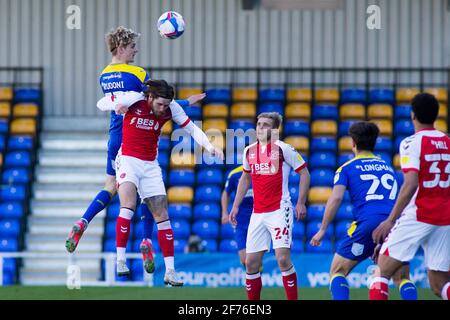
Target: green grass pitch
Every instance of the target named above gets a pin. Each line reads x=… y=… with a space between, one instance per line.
x=186 y=293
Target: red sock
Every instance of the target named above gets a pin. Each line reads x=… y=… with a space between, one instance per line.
x=290 y=284
x=379 y=290
x=165 y=238
x=253 y=286
x=122 y=232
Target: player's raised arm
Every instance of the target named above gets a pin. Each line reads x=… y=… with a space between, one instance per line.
x=119 y=102
x=243 y=186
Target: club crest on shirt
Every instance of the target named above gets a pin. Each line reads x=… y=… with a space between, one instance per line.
x=357 y=249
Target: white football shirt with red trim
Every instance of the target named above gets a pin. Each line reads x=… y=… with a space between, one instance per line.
x=269 y=167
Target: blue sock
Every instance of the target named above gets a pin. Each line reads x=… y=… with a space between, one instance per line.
x=147 y=219
x=408 y=290
x=99 y=203
x=339 y=287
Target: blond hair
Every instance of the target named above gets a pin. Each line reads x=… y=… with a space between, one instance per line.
x=120 y=37
x=275 y=116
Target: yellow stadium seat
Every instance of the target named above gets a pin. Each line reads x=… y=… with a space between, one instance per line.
x=185 y=93
x=180 y=194
x=298 y=111
x=215 y=110
x=167 y=128
x=397 y=161
x=242 y=110
x=299 y=143
x=6 y=93
x=327 y=95
x=319 y=194
x=182 y=160
x=25 y=110
x=5 y=109
x=384 y=125
x=441 y=125
x=299 y=94
x=352 y=111
x=217 y=124
x=380 y=110
x=324 y=127
x=23 y=126
x=245 y=94
x=406 y=94
x=441 y=94
x=345 y=144
x=216 y=138
x=443 y=111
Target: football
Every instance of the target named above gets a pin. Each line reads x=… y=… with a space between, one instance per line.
x=170 y=25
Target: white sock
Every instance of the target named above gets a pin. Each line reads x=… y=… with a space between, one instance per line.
x=169 y=262
x=121 y=254
x=444 y=291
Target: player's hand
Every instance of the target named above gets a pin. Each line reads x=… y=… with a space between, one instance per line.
x=217 y=153
x=233 y=215
x=196 y=98
x=120 y=109
x=381 y=232
x=300 y=211
x=225 y=218
x=317 y=239
x=376 y=252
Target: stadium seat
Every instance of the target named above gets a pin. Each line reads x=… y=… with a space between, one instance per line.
x=323 y=144
x=243 y=110
x=245 y=94
x=2 y=143
x=406 y=94
x=242 y=124
x=319 y=194
x=209 y=161
x=8 y=244
x=180 y=194
x=299 y=94
x=16 y=175
x=296 y=128
x=9 y=228
x=23 y=126
x=322 y=177
x=167 y=128
x=11 y=210
x=397 y=142
x=180 y=211
x=6 y=93
x=209 y=192
x=193 y=112
x=341 y=229
x=443 y=111
x=228 y=245
x=25 y=110
x=27 y=95
x=315 y=212
x=345 y=144
x=294 y=177
x=345 y=211
x=386 y=156
x=207 y=210
x=181 y=229
x=183 y=160
x=113 y=211
x=206 y=229
x=325 y=247
x=329 y=95
x=298 y=143
x=313 y=226
x=9 y=265
x=297 y=246
x=215 y=110
x=400 y=177
x=210 y=176
x=345 y=157
x=404 y=127
x=382 y=95
x=294 y=192
x=325 y=112
x=215 y=125
x=272 y=94
x=181 y=177
x=18 y=159
x=323 y=160
x=209 y=245
x=163 y=159
x=164 y=143
x=271 y=107
x=383 y=144
x=344 y=126
x=298 y=230
x=298 y=110
x=110 y=230
x=184 y=93
x=227 y=231
x=380 y=111
x=441 y=125
x=179 y=245
x=402 y=111
x=5 y=109
x=352 y=111
x=384 y=125
x=441 y=94
x=20 y=143
x=396 y=161
x=353 y=95
x=218 y=95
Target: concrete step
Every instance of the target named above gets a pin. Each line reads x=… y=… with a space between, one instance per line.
x=62 y=209
x=70 y=159
x=65 y=124
x=50 y=277
x=89 y=265
x=86 y=175
x=89 y=243
x=65 y=192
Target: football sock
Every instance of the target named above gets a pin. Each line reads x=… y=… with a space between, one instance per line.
x=253 y=285
x=408 y=290
x=148 y=220
x=445 y=294
x=290 y=283
x=123 y=231
x=101 y=200
x=165 y=240
x=379 y=289
x=339 y=287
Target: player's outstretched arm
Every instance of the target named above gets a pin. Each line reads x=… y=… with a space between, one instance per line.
x=331 y=208
x=407 y=191
x=300 y=208
x=224 y=203
x=118 y=101
x=243 y=186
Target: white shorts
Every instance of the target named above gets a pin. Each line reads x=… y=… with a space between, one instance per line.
x=408 y=234
x=145 y=175
x=267 y=226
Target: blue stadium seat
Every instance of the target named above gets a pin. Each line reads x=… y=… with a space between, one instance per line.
x=344 y=126
x=272 y=94
x=296 y=128
x=241 y=124
x=113 y=210
x=209 y=161
x=210 y=245
x=20 y=143
x=8 y=244
x=27 y=95
x=179 y=245
x=400 y=177
x=110 y=229
x=294 y=177
x=345 y=211
x=298 y=246
x=387 y=157
x=228 y=245
x=181 y=229
x=298 y=231
x=341 y=228
x=217 y=95
x=4 y=126
x=193 y=112
x=344 y=157
x=353 y=95
x=9 y=228
x=402 y=111
x=8 y=279
x=323 y=144
x=136 y=268
x=11 y=210
x=9 y=265
x=206 y=229
x=210 y=176
x=185 y=143
x=227 y=231
x=135 y=246
x=138 y=230
x=313 y=226
x=384 y=144
x=323 y=160
x=315 y=212
x=17 y=175
x=322 y=177
x=325 y=247
x=163 y=159
x=2 y=142
x=209 y=192
x=271 y=107
x=397 y=142
x=207 y=210
x=382 y=95
x=403 y=127
x=181 y=177
x=18 y=159
x=12 y=193
x=110 y=245
x=180 y=211
x=293 y=190
x=164 y=143
x=325 y=111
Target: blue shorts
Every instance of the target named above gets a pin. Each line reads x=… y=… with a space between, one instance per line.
x=359 y=245
x=114 y=144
